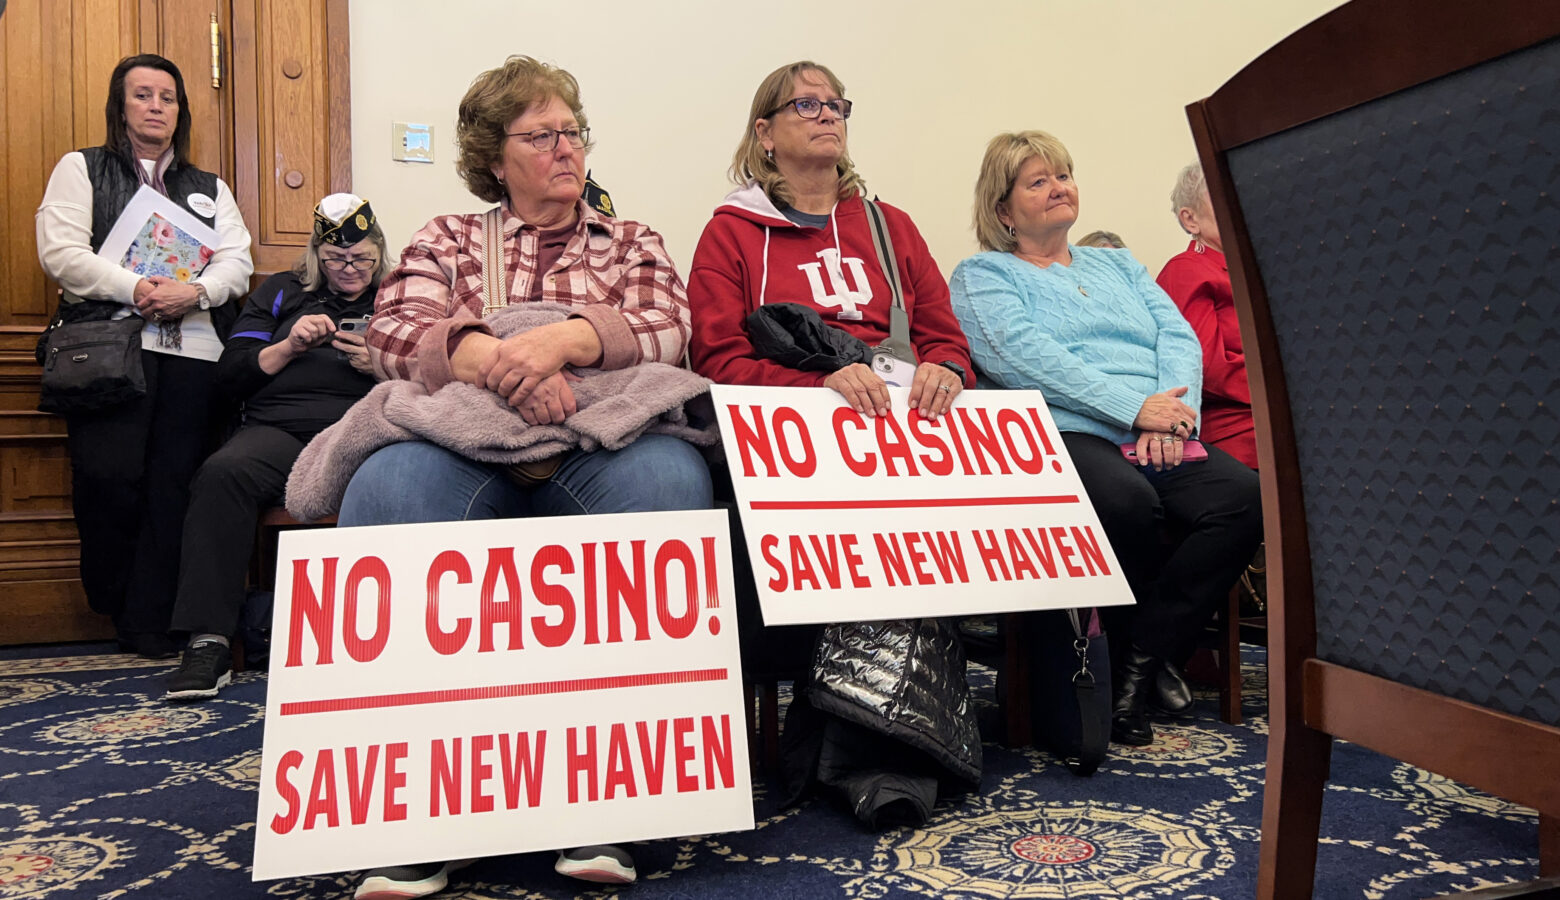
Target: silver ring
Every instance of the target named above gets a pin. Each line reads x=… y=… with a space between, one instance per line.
x=944 y=387
x=1166 y=440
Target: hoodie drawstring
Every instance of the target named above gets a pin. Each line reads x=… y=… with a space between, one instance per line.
x=763 y=286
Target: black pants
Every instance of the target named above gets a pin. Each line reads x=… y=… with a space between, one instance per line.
x=131 y=468
x=248 y=474
x=1211 y=512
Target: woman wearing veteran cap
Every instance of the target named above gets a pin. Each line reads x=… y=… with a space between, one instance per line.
x=296 y=371
x=131 y=463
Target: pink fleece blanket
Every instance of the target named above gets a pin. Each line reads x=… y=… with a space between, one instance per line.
x=615 y=408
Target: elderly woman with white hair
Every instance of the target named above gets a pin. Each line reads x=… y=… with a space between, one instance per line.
x=1198 y=280
x=1121 y=372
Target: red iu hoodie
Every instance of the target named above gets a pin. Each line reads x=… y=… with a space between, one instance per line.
x=751 y=254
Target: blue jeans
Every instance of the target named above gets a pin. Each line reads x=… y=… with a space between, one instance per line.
x=421 y=482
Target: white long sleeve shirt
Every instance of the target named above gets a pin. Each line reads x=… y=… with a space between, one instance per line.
x=64 y=231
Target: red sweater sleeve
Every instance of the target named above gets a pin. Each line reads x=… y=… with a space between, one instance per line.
x=1210 y=311
x=721 y=295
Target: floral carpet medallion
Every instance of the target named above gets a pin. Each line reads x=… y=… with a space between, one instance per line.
x=107 y=791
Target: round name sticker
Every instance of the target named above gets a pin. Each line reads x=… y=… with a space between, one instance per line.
x=202 y=204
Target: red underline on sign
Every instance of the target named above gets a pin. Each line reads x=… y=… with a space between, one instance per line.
x=913 y=504
x=499 y=691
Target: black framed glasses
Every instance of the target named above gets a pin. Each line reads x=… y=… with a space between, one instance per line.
x=360 y=264
x=809 y=108
x=545 y=139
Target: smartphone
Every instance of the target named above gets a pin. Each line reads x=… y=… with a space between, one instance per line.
x=1192 y=451
x=894 y=371
x=350 y=325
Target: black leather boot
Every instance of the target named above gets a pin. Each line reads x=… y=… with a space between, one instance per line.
x=1129 y=716
x=1172 y=695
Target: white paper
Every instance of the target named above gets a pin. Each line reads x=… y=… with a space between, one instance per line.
x=404 y=651
x=850 y=518
x=135 y=215
x=198 y=338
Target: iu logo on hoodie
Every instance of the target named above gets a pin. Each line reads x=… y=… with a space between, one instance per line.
x=843 y=295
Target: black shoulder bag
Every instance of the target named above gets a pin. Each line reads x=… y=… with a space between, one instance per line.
x=90 y=360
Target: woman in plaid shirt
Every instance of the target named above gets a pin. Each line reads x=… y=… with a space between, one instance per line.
x=523 y=138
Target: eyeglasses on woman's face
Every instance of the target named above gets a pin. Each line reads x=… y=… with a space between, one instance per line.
x=342 y=263
x=545 y=139
x=812 y=108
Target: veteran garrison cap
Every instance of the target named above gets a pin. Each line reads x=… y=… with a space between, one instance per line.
x=343 y=219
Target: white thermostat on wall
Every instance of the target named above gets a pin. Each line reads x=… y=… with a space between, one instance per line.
x=410 y=142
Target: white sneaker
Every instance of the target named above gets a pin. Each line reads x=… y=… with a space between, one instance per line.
x=601 y=863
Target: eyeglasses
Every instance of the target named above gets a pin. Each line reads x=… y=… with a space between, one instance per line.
x=808 y=108
x=545 y=139
x=360 y=263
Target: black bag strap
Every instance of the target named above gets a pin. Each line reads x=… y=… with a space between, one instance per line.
x=898 y=342
x=1094 y=730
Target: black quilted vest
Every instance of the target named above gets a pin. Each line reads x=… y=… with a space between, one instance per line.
x=114 y=183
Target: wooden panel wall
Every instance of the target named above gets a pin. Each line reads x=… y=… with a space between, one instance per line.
x=57 y=56
x=283 y=105
x=293 y=123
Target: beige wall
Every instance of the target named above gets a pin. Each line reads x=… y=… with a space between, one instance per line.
x=667 y=86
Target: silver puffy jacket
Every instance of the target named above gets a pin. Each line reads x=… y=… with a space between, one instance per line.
x=904 y=678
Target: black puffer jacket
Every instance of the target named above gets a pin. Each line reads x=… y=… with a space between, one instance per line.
x=904 y=678
x=886 y=720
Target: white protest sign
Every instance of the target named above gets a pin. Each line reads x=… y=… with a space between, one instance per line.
x=468 y=689
x=849 y=518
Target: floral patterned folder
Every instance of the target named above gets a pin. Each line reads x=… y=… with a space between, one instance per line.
x=163 y=248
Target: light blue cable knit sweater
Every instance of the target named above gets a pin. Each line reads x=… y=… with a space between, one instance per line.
x=1096 y=357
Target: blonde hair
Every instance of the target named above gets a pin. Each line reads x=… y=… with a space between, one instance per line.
x=1005 y=155
x=1108 y=239
x=311 y=273
x=750 y=163
x=496 y=98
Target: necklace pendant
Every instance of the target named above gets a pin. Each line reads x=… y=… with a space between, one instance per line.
x=1082 y=291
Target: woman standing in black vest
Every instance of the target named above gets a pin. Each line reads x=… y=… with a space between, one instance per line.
x=132 y=464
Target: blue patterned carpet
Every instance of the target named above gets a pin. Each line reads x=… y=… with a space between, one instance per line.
x=105 y=791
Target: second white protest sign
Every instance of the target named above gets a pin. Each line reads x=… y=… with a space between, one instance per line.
x=852 y=518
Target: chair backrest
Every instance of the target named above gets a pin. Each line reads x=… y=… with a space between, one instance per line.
x=1387 y=182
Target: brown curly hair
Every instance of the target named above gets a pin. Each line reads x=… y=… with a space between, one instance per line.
x=496 y=98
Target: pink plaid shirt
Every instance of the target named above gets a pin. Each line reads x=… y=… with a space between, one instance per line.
x=616 y=273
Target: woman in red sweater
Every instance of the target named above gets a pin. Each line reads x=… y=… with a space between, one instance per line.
x=1198 y=280
x=796 y=231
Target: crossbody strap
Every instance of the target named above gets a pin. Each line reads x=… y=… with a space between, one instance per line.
x=1094 y=730
x=494 y=296
x=898 y=342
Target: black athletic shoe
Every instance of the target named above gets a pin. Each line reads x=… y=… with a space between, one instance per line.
x=401 y=882
x=206 y=668
x=405 y=882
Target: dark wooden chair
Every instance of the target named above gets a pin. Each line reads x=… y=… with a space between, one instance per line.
x=1385 y=181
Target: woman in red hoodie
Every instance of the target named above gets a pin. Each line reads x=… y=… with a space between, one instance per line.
x=796 y=231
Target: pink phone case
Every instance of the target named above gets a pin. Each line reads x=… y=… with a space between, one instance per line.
x=1194 y=451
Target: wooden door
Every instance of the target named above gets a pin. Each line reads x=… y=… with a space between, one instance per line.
x=278 y=113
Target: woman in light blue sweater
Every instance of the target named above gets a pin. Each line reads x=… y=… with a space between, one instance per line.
x=1122 y=373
